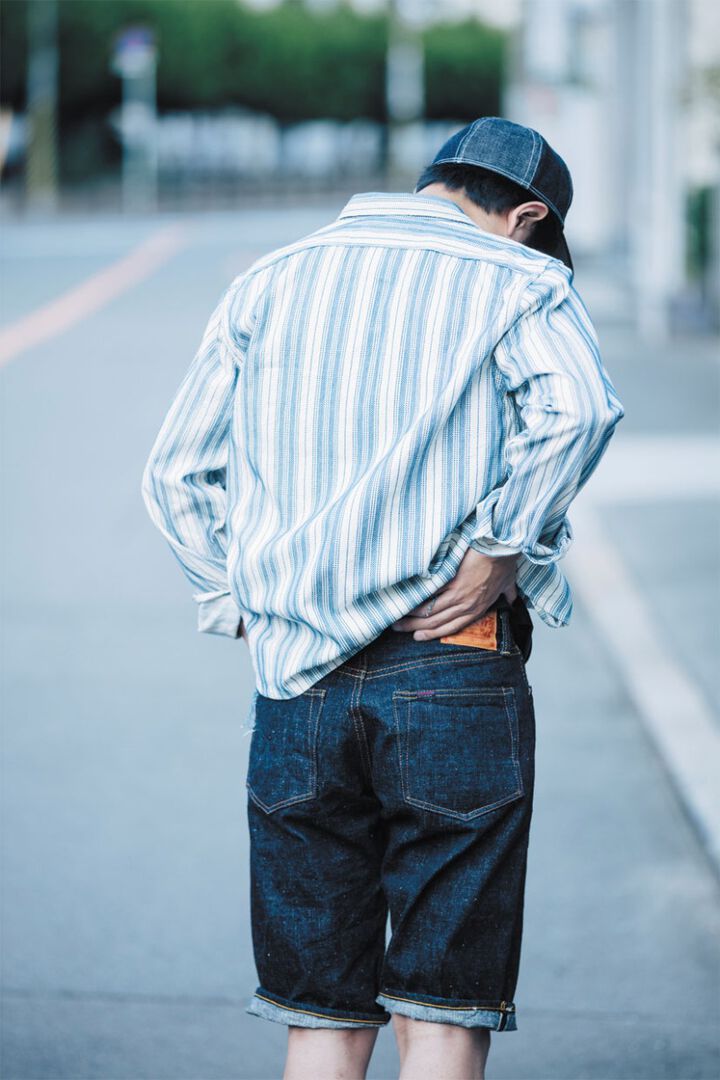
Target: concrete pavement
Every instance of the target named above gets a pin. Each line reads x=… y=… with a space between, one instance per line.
x=125 y=886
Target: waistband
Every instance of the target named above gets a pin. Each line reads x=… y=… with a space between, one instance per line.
x=401 y=645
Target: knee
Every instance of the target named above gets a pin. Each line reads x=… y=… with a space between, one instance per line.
x=408 y=1030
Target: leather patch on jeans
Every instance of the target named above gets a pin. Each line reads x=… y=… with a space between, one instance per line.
x=483 y=633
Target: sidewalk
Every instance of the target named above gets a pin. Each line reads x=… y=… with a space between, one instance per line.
x=127 y=952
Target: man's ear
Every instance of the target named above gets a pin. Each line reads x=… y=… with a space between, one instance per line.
x=521 y=218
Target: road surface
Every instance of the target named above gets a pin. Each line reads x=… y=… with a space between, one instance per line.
x=126 y=937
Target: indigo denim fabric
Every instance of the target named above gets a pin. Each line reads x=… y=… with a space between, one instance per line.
x=401 y=783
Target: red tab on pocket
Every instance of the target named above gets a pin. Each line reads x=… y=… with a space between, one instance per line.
x=482 y=633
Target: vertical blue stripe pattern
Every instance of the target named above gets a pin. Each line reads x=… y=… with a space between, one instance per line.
x=365 y=404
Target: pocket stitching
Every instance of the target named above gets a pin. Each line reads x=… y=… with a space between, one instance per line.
x=312 y=733
x=408 y=696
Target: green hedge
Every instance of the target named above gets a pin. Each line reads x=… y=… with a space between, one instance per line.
x=290 y=62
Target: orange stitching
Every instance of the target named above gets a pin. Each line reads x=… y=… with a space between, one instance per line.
x=323 y=1016
x=503 y=1007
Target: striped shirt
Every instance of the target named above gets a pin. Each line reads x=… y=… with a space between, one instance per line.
x=365 y=404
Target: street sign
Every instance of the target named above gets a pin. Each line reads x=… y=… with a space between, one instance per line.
x=134 y=51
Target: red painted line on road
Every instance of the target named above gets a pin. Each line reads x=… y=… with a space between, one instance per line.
x=76 y=304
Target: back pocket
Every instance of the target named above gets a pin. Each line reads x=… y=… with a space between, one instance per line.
x=282 y=765
x=458 y=749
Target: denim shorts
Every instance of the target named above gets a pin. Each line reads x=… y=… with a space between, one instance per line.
x=401 y=783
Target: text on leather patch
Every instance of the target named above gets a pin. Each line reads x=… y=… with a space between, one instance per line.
x=482 y=633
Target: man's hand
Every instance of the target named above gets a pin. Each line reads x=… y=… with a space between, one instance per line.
x=480 y=580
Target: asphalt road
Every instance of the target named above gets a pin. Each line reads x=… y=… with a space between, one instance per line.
x=126 y=942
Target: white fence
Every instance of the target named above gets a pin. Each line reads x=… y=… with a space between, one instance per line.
x=253 y=146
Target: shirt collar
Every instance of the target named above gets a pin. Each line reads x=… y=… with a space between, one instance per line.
x=405 y=204
x=371 y=203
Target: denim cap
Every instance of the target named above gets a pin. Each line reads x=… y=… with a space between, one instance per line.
x=521 y=154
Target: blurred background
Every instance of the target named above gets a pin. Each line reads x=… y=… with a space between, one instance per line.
x=150 y=150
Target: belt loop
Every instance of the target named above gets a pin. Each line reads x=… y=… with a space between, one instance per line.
x=361 y=660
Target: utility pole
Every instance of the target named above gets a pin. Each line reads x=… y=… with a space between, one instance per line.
x=657 y=196
x=134 y=59
x=41 y=170
x=405 y=81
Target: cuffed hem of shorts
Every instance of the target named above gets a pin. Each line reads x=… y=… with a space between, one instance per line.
x=271 y=1007
x=501 y=1019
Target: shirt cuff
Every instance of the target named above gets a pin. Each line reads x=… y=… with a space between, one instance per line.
x=554 y=548
x=543 y=551
x=218 y=613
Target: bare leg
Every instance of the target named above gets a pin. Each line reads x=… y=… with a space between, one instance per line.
x=328 y=1053
x=430 y=1051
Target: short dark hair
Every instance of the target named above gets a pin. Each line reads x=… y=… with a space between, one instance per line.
x=494 y=193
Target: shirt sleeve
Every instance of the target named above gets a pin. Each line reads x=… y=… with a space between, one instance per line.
x=567 y=409
x=184 y=480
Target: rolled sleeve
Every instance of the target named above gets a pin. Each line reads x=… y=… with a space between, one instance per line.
x=184 y=483
x=218 y=613
x=567 y=410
